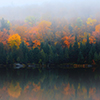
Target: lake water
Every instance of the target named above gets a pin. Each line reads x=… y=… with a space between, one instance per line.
x=50 y=84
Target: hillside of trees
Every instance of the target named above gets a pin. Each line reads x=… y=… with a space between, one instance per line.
x=53 y=41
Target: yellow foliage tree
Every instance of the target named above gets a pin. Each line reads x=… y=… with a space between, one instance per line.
x=14 y=39
x=91 y=22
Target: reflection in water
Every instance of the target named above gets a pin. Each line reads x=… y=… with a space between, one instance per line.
x=49 y=84
x=14 y=91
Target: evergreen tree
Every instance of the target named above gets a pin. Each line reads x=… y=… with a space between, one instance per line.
x=70 y=51
x=57 y=46
x=43 y=56
x=99 y=58
x=2 y=54
x=66 y=56
x=81 y=47
x=80 y=59
x=42 y=46
x=61 y=55
x=90 y=56
x=96 y=58
x=46 y=48
x=26 y=58
x=14 y=53
x=9 y=58
x=51 y=56
x=53 y=49
x=56 y=58
x=97 y=46
x=75 y=47
x=36 y=55
x=87 y=49
x=31 y=56
x=23 y=53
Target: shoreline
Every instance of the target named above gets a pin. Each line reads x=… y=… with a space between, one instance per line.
x=65 y=66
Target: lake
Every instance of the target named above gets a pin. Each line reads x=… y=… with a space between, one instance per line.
x=50 y=84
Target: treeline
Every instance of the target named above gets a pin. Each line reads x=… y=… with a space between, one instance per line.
x=52 y=41
x=52 y=54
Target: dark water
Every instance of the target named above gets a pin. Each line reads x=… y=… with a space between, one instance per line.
x=50 y=84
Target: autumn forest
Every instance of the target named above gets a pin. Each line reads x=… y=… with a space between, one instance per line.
x=53 y=41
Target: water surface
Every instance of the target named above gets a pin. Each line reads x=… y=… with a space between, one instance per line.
x=50 y=84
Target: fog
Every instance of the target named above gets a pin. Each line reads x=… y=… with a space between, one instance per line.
x=20 y=9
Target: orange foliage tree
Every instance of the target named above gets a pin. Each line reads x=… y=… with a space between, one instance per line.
x=68 y=40
x=96 y=33
x=4 y=36
x=97 y=28
x=43 y=30
x=22 y=31
x=37 y=34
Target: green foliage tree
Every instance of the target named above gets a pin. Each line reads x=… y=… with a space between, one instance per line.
x=79 y=22
x=4 y=24
x=31 y=20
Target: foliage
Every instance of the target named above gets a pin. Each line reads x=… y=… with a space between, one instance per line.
x=14 y=40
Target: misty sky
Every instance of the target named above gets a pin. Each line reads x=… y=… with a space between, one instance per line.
x=20 y=9
x=30 y=2
x=21 y=2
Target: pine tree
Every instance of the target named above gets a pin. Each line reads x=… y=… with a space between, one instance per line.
x=70 y=52
x=36 y=55
x=80 y=59
x=87 y=49
x=2 y=54
x=96 y=57
x=9 y=58
x=30 y=56
x=51 y=56
x=23 y=53
x=75 y=47
x=61 y=55
x=90 y=56
x=43 y=56
x=66 y=56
